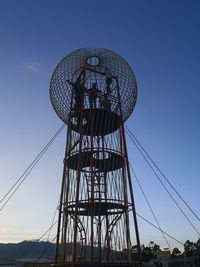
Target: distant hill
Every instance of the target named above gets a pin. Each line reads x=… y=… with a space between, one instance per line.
x=38 y=250
x=26 y=249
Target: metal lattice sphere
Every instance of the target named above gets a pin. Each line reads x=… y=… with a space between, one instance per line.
x=95 y=65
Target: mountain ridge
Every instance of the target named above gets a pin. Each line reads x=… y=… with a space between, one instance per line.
x=9 y=252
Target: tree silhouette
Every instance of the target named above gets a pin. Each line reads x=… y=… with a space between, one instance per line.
x=176 y=253
x=190 y=248
x=198 y=247
x=149 y=252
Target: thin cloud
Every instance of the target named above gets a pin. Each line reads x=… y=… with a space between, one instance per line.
x=33 y=66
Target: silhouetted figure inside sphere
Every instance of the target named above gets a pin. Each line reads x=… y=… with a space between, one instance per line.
x=108 y=75
x=93 y=94
x=105 y=102
x=78 y=89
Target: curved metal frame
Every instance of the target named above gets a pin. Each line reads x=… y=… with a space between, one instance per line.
x=70 y=68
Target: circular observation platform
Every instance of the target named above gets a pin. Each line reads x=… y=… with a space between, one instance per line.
x=113 y=161
x=89 y=68
x=96 y=122
x=97 y=208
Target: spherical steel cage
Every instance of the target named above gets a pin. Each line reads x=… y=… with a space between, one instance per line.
x=98 y=60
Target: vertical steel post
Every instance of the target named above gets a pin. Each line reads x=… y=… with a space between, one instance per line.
x=129 y=181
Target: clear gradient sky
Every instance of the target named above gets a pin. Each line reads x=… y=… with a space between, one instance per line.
x=161 y=41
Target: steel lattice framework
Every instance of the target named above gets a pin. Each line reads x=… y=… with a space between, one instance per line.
x=95 y=61
x=94 y=91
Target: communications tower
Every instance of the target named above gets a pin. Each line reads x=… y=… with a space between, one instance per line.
x=94 y=91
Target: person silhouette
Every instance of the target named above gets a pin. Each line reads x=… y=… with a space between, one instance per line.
x=78 y=89
x=108 y=75
x=93 y=95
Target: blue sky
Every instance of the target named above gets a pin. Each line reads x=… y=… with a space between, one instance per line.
x=160 y=40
